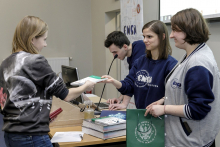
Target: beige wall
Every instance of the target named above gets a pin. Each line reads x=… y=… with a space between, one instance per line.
x=70 y=28
x=100 y=19
x=102 y=25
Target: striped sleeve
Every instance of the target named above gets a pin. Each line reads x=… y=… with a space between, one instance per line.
x=198 y=87
x=187 y=112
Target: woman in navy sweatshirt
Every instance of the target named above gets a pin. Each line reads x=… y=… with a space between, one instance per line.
x=146 y=78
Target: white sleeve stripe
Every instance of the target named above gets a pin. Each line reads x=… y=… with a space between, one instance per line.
x=52 y=84
x=190 y=116
x=187 y=112
x=209 y=144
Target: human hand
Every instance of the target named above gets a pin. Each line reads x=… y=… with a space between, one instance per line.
x=89 y=85
x=149 y=107
x=113 y=101
x=159 y=102
x=157 y=110
x=116 y=106
x=109 y=79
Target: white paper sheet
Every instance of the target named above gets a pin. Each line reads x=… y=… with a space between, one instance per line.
x=91 y=78
x=67 y=137
x=91 y=95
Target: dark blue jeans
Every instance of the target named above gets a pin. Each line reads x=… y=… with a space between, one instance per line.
x=17 y=140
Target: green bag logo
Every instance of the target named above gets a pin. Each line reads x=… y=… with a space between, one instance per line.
x=145 y=132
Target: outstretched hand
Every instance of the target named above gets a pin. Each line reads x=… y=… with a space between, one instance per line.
x=109 y=79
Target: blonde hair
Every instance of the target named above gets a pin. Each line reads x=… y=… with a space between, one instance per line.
x=28 y=28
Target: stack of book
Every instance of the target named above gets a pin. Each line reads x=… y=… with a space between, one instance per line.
x=104 y=127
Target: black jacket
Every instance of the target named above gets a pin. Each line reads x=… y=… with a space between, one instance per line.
x=27 y=84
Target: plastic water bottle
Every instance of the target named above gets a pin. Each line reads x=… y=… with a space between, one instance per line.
x=88 y=112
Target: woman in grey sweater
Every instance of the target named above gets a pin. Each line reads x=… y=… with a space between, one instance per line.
x=192 y=96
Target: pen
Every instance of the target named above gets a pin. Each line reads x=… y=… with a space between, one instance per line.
x=81 y=136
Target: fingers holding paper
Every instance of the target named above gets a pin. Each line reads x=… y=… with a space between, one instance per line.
x=75 y=92
x=89 y=85
x=109 y=79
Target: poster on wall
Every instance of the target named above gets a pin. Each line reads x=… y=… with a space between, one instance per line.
x=131 y=26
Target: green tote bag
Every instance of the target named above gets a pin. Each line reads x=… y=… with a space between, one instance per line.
x=144 y=131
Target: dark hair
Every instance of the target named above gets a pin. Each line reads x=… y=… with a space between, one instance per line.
x=159 y=28
x=117 y=38
x=191 y=22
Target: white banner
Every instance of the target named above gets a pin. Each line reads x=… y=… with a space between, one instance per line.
x=131 y=26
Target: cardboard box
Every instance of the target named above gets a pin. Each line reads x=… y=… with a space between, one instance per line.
x=70 y=116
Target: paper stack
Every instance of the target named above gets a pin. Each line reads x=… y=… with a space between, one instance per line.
x=90 y=78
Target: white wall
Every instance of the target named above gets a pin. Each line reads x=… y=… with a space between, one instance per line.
x=70 y=28
x=151 y=12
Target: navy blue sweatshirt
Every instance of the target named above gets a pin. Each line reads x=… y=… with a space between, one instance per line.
x=146 y=80
x=138 y=49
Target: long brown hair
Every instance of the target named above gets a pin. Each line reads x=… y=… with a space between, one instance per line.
x=28 y=28
x=160 y=29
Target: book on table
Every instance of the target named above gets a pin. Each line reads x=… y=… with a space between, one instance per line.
x=108 y=120
x=104 y=135
x=104 y=127
x=118 y=114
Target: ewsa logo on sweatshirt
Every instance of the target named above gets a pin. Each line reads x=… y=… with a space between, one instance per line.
x=145 y=132
x=142 y=78
x=175 y=84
